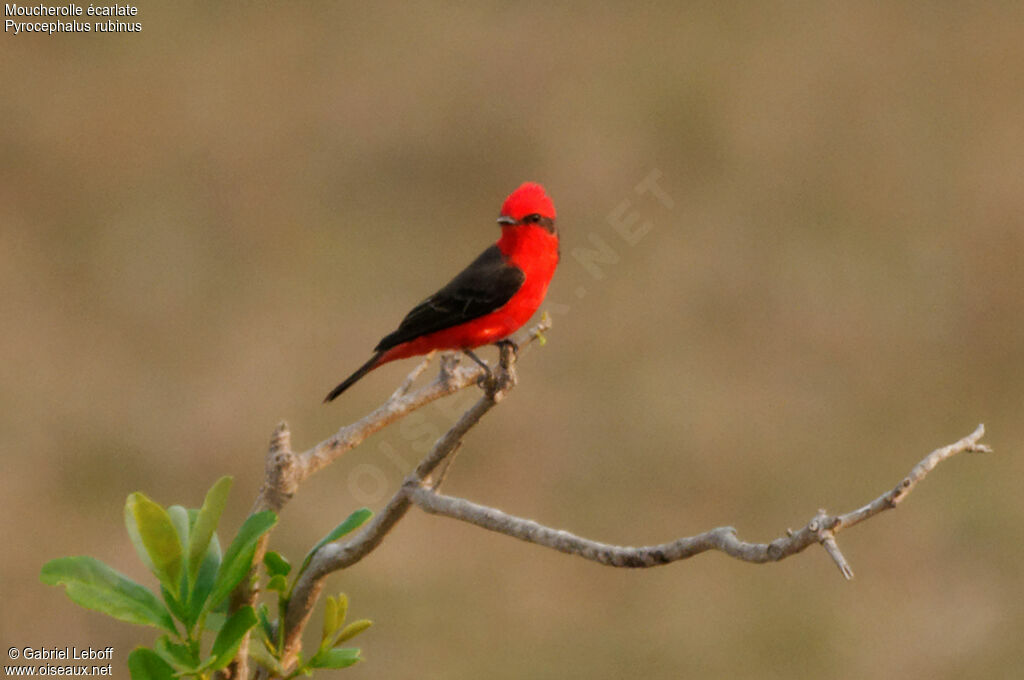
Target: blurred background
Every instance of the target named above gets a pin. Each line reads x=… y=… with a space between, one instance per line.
x=206 y=225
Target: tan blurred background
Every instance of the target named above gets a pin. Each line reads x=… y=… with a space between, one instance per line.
x=206 y=225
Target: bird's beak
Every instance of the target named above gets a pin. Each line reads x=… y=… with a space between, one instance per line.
x=505 y=219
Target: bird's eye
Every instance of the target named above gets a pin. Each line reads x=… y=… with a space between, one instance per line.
x=533 y=217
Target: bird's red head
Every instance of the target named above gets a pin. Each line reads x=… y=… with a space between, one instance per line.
x=528 y=204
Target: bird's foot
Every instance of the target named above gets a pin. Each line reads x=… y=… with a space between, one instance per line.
x=510 y=343
x=508 y=354
x=488 y=376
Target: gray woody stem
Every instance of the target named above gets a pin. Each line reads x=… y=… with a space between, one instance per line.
x=335 y=556
x=286 y=470
x=821 y=529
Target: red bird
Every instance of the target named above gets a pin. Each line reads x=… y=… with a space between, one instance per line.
x=491 y=298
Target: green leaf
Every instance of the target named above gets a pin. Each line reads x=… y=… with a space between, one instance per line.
x=214 y=621
x=180 y=520
x=278 y=584
x=206 y=523
x=133 y=533
x=351 y=523
x=339 y=657
x=204 y=582
x=93 y=585
x=276 y=564
x=342 y=610
x=173 y=604
x=238 y=558
x=266 y=628
x=178 y=656
x=145 y=664
x=331 y=621
x=230 y=636
x=263 y=658
x=353 y=629
x=159 y=538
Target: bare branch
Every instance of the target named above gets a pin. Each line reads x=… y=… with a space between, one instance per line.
x=335 y=556
x=821 y=529
x=286 y=470
x=895 y=496
x=406 y=385
x=828 y=541
x=280 y=483
x=279 y=487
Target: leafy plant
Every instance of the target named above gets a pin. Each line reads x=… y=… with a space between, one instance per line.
x=329 y=654
x=181 y=548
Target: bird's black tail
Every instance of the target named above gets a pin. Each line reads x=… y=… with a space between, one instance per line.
x=351 y=380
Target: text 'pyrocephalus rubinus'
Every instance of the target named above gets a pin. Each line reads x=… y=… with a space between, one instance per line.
x=491 y=298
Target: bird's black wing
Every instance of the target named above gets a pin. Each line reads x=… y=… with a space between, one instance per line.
x=485 y=285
